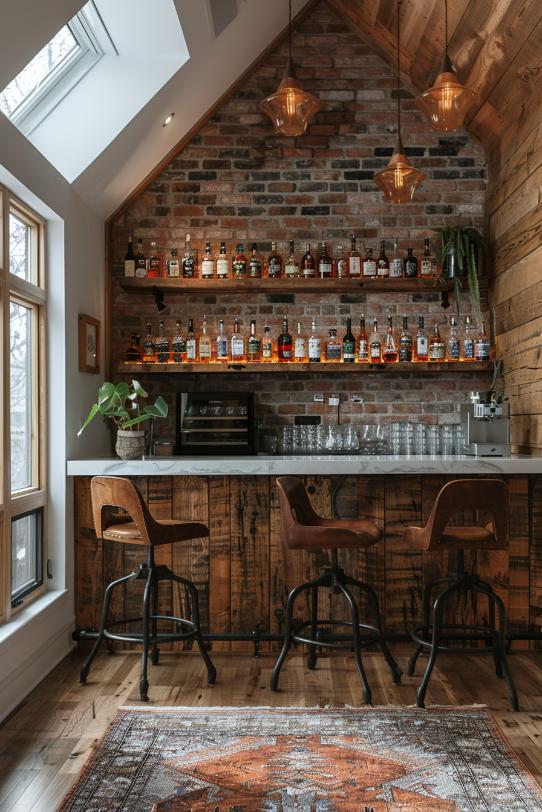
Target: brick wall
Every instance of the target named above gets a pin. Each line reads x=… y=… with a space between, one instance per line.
x=238 y=181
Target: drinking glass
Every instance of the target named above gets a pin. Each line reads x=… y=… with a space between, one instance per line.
x=334 y=440
x=433 y=440
x=408 y=438
x=446 y=440
x=350 y=440
x=420 y=439
x=286 y=444
x=459 y=439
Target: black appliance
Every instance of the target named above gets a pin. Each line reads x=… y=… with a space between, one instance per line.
x=215 y=423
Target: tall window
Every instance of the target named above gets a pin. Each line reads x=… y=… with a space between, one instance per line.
x=23 y=470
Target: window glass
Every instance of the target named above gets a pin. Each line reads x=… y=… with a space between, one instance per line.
x=20 y=257
x=26 y=553
x=21 y=395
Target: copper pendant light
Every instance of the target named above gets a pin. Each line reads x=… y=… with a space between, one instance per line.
x=399 y=180
x=447 y=102
x=290 y=108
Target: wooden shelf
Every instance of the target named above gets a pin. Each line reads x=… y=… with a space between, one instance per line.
x=420 y=368
x=263 y=285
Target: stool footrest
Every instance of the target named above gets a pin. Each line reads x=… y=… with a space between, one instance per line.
x=422 y=635
x=327 y=640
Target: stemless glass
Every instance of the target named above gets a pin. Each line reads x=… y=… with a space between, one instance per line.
x=420 y=440
x=350 y=440
x=286 y=444
x=446 y=440
x=433 y=440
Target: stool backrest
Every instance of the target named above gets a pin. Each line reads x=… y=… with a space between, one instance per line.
x=296 y=510
x=110 y=493
x=488 y=496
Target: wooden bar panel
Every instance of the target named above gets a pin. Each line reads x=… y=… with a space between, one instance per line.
x=535 y=557
x=220 y=557
x=89 y=574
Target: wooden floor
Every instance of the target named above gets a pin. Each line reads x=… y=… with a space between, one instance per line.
x=46 y=742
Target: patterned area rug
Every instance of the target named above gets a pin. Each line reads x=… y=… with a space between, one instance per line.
x=304 y=759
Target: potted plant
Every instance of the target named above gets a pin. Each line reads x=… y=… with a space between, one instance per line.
x=463 y=253
x=123 y=405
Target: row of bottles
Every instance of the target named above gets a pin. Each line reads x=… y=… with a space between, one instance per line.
x=376 y=347
x=253 y=265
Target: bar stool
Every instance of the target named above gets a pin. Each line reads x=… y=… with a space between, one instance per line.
x=121 y=515
x=489 y=496
x=303 y=529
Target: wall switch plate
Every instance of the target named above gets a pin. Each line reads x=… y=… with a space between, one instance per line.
x=356 y=399
x=318 y=397
x=334 y=400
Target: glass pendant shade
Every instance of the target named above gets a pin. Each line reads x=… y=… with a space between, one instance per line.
x=447 y=102
x=290 y=108
x=399 y=180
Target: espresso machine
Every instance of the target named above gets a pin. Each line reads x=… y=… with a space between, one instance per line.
x=486 y=428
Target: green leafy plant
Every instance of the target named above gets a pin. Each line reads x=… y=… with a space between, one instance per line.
x=123 y=404
x=470 y=249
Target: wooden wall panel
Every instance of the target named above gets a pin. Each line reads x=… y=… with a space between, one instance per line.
x=220 y=557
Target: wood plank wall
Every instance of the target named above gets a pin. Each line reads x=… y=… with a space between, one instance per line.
x=243 y=574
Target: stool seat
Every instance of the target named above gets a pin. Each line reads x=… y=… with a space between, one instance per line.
x=463 y=538
x=334 y=534
x=169 y=532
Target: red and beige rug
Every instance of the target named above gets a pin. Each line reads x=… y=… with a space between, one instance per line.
x=304 y=760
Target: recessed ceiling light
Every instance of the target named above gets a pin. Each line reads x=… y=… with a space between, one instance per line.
x=168 y=120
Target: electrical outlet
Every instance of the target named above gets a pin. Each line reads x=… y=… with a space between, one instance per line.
x=356 y=399
x=318 y=397
x=334 y=400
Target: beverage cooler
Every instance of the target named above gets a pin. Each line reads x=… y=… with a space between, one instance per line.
x=215 y=423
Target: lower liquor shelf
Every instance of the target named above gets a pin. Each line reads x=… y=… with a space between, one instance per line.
x=326 y=367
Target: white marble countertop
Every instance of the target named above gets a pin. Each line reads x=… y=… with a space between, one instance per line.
x=309 y=465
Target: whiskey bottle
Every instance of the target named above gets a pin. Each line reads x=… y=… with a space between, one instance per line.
x=342 y=263
x=274 y=263
x=369 y=264
x=308 y=265
x=315 y=345
x=221 y=344
x=421 y=341
x=161 y=345
x=267 y=344
x=292 y=266
x=325 y=263
x=285 y=343
x=178 y=344
x=134 y=353
x=239 y=263
x=300 y=346
x=410 y=265
x=405 y=343
x=149 y=352
x=173 y=265
x=254 y=345
x=204 y=349
x=237 y=344
x=482 y=344
x=140 y=261
x=383 y=267
x=396 y=264
x=333 y=346
x=222 y=263
x=349 y=344
x=189 y=260
x=255 y=263
x=428 y=265
x=154 y=262
x=454 y=342
x=129 y=259
x=207 y=263
x=389 y=353
x=437 y=347
x=375 y=346
x=354 y=259
x=468 y=340
x=191 y=343
x=363 y=343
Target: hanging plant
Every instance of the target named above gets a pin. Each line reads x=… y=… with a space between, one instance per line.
x=463 y=254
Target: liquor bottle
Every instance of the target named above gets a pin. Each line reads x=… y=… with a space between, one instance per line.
x=154 y=262
x=239 y=262
x=255 y=263
x=383 y=266
x=482 y=344
x=189 y=260
x=207 y=263
x=178 y=344
x=222 y=263
x=221 y=344
x=292 y=265
x=315 y=345
x=129 y=259
x=363 y=343
x=428 y=267
x=300 y=346
x=325 y=263
x=437 y=347
x=396 y=264
x=237 y=344
x=369 y=264
x=173 y=264
x=134 y=353
x=410 y=265
x=354 y=259
x=140 y=261
x=454 y=342
x=267 y=344
x=285 y=343
x=161 y=345
x=254 y=345
x=149 y=352
x=274 y=263
x=421 y=341
x=204 y=349
x=375 y=346
x=468 y=340
x=191 y=343
x=389 y=353
x=333 y=346
x=405 y=343
x=308 y=265
x=349 y=344
x=342 y=263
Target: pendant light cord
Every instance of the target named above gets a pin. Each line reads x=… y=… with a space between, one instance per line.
x=290 y=30
x=446 y=27
x=398 y=71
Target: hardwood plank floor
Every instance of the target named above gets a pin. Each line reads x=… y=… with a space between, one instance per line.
x=46 y=742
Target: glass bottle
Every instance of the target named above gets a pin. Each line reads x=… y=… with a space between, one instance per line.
x=325 y=263
x=292 y=265
x=410 y=265
x=191 y=343
x=389 y=353
x=375 y=346
x=221 y=343
x=354 y=259
x=369 y=264
x=383 y=266
x=300 y=346
x=342 y=263
x=468 y=340
x=396 y=264
x=134 y=352
x=333 y=346
x=189 y=260
x=237 y=344
x=140 y=261
x=254 y=345
x=421 y=341
x=205 y=349
x=129 y=259
x=222 y=263
x=454 y=342
x=315 y=345
x=207 y=263
x=405 y=343
x=363 y=342
x=285 y=343
x=161 y=345
x=428 y=266
x=267 y=344
x=178 y=344
x=308 y=265
x=482 y=344
x=255 y=263
x=154 y=262
x=437 y=347
x=349 y=344
x=173 y=264
x=274 y=263
x=149 y=353
x=239 y=262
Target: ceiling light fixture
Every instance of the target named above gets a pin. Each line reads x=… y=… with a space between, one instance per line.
x=290 y=108
x=168 y=119
x=399 y=180
x=447 y=102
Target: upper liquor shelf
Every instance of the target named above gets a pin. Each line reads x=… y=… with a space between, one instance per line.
x=326 y=367
x=286 y=285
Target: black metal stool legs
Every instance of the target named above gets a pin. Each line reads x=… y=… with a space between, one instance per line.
x=143 y=681
x=437 y=622
x=288 y=630
x=367 y=696
x=375 y=612
x=499 y=652
x=312 y=658
x=155 y=651
x=194 y=609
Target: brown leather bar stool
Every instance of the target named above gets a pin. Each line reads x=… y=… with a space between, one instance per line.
x=121 y=515
x=303 y=529
x=490 y=497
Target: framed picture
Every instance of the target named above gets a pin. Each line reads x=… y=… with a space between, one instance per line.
x=89 y=344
